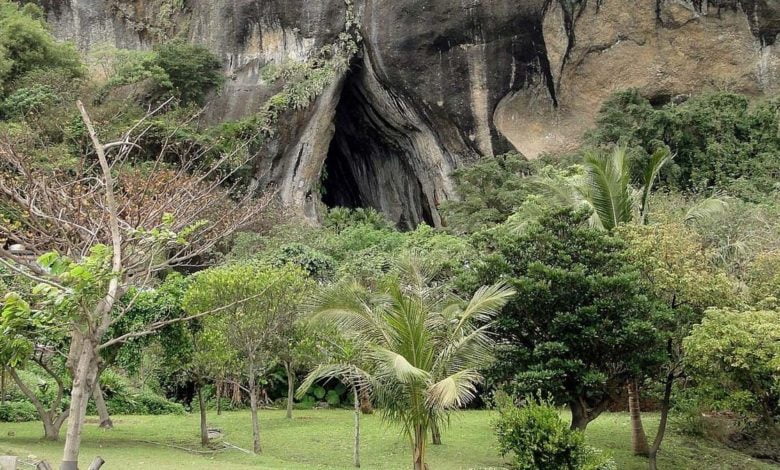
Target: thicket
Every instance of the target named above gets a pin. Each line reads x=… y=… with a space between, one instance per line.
x=722 y=141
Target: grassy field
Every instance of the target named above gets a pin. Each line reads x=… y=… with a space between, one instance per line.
x=323 y=439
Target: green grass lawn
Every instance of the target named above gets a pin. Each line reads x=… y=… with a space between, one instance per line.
x=323 y=440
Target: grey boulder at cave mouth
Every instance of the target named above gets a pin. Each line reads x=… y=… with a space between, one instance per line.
x=437 y=84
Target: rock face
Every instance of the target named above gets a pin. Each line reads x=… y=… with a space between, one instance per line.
x=439 y=83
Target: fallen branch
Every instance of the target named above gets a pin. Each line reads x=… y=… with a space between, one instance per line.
x=173 y=446
x=227 y=444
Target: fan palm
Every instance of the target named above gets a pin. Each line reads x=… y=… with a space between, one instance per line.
x=423 y=348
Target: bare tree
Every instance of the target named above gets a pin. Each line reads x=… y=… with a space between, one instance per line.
x=147 y=219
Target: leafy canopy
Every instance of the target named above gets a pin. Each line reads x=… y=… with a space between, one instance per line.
x=581 y=322
x=740 y=350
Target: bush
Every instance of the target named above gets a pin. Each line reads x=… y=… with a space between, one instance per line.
x=27 y=100
x=185 y=71
x=193 y=70
x=157 y=405
x=739 y=351
x=26 y=44
x=17 y=412
x=538 y=439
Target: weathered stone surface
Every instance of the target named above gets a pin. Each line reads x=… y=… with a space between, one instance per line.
x=439 y=83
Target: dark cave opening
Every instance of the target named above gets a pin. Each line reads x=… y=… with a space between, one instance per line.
x=371 y=160
x=339 y=186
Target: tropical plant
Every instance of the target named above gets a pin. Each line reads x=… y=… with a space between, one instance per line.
x=424 y=348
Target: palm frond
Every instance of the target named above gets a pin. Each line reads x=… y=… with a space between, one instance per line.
x=558 y=191
x=652 y=169
x=351 y=309
x=707 y=209
x=453 y=391
x=486 y=303
x=607 y=187
x=394 y=364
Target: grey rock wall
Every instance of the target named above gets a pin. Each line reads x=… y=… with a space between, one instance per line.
x=440 y=83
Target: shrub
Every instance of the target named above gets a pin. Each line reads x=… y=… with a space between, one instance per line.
x=538 y=439
x=316 y=264
x=144 y=403
x=27 y=100
x=490 y=191
x=193 y=70
x=185 y=71
x=157 y=405
x=17 y=412
x=340 y=218
x=739 y=351
x=26 y=44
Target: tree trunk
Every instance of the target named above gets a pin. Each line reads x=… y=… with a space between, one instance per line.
x=2 y=386
x=356 y=453
x=52 y=419
x=96 y=464
x=435 y=433
x=255 y=422
x=420 y=435
x=638 y=437
x=219 y=398
x=290 y=389
x=204 y=430
x=579 y=416
x=366 y=407
x=659 y=437
x=85 y=373
x=100 y=404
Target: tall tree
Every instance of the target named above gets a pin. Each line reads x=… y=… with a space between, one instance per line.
x=424 y=350
x=581 y=324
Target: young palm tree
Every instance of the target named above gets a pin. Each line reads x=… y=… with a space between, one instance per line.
x=346 y=364
x=423 y=347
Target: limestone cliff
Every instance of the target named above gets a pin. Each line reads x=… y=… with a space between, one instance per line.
x=439 y=83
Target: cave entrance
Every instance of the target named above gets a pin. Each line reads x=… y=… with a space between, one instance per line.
x=372 y=161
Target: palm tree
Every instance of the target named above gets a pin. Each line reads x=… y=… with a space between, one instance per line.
x=423 y=348
x=347 y=366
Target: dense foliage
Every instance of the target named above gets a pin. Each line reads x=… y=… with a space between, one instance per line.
x=740 y=350
x=581 y=324
x=721 y=140
x=535 y=438
x=573 y=276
